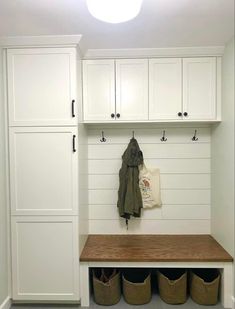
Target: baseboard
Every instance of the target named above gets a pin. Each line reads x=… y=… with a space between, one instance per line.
x=6 y=304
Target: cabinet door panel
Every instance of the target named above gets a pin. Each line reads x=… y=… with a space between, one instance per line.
x=43 y=171
x=41 y=86
x=45 y=258
x=199 y=88
x=98 y=90
x=132 y=89
x=165 y=88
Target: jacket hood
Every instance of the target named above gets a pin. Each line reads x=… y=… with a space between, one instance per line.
x=133 y=156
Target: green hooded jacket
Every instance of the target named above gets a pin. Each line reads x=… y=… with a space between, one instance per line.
x=129 y=195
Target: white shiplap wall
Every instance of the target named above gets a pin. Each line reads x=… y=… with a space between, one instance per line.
x=185 y=180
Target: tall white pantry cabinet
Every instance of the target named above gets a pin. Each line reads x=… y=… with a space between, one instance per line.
x=42 y=118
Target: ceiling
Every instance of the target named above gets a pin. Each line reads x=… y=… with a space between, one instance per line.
x=161 y=23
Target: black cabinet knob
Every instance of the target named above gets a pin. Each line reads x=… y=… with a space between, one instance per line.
x=179 y=114
x=118 y=115
x=112 y=115
x=185 y=114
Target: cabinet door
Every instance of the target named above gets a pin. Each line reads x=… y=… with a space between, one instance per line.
x=45 y=258
x=98 y=90
x=165 y=88
x=132 y=89
x=43 y=170
x=199 y=88
x=42 y=86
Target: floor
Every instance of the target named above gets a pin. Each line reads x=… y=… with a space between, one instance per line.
x=156 y=303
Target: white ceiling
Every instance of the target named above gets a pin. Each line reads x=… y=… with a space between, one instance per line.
x=161 y=23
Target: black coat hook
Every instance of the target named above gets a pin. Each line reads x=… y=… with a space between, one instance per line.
x=133 y=134
x=195 y=138
x=163 y=139
x=103 y=139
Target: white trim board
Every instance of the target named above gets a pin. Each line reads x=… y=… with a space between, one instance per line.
x=113 y=122
x=154 y=52
x=6 y=304
x=46 y=40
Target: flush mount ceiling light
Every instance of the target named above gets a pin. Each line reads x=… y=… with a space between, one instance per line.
x=114 y=11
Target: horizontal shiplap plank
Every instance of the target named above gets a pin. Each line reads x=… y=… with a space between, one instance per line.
x=186 y=181
x=183 y=212
x=165 y=165
x=185 y=197
x=172 y=197
x=145 y=136
x=168 y=181
x=166 y=212
x=149 y=227
x=151 y=151
x=110 y=212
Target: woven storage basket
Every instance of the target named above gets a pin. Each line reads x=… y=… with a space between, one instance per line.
x=204 y=286
x=137 y=286
x=106 y=286
x=172 y=284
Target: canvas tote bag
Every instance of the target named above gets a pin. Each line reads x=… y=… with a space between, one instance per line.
x=149 y=183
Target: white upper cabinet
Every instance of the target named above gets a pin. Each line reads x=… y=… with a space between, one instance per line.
x=199 y=88
x=132 y=89
x=115 y=90
x=160 y=89
x=98 y=90
x=42 y=86
x=43 y=170
x=165 y=89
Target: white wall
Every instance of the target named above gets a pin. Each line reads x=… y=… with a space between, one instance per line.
x=3 y=216
x=185 y=179
x=223 y=159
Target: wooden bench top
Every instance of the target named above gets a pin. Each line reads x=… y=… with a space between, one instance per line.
x=153 y=248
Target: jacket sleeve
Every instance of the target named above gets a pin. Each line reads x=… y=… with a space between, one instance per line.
x=122 y=190
x=133 y=199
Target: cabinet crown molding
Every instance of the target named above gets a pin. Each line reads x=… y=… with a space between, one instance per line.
x=154 y=52
x=40 y=41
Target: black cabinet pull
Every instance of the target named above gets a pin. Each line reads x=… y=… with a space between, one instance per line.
x=112 y=115
x=73 y=114
x=118 y=115
x=74 y=148
x=185 y=114
x=179 y=114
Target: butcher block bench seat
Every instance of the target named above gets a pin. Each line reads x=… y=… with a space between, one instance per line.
x=153 y=248
x=156 y=251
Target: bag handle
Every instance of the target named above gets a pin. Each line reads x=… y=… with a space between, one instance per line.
x=143 y=167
